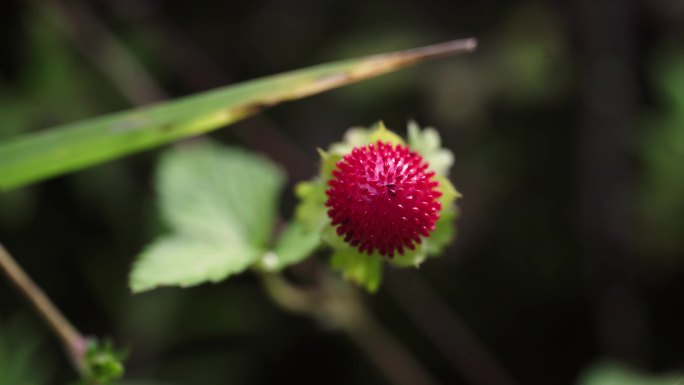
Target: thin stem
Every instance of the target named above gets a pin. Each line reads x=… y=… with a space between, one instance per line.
x=388 y=354
x=447 y=331
x=336 y=303
x=73 y=342
x=287 y=296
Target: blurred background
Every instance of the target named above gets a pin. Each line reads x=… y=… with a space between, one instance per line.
x=568 y=129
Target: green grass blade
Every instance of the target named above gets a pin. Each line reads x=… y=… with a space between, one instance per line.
x=69 y=147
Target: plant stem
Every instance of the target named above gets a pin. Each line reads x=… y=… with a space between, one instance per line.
x=287 y=296
x=388 y=354
x=447 y=331
x=336 y=303
x=73 y=342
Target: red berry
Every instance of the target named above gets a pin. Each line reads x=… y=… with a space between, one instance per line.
x=382 y=198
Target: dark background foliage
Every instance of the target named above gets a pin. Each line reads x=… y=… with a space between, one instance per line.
x=568 y=130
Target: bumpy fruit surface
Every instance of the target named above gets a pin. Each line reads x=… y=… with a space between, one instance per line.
x=382 y=197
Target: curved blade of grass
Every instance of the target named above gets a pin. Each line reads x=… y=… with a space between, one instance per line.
x=69 y=147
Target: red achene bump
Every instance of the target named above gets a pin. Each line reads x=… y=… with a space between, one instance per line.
x=382 y=197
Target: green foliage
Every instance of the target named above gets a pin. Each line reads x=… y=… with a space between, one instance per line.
x=184 y=261
x=360 y=268
x=295 y=244
x=221 y=205
x=75 y=146
x=102 y=364
x=212 y=191
x=614 y=374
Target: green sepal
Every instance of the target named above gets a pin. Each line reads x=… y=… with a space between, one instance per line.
x=328 y=162
x=429 y=145
x=449 y=192
x=445 y=229
x=411 y=258
x=380 y=133
x=444 y=233
x=361 y=136
x=311 y=213
x=364 y=270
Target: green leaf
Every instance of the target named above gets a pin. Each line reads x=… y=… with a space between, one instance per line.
x=74 y=146
x=615 y=374
x=294 y=244
x=221 y=205
x=184 y=261
x=364 y=270
x=218 y=192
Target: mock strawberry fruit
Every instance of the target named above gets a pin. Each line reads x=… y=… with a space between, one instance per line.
x=383 y=198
